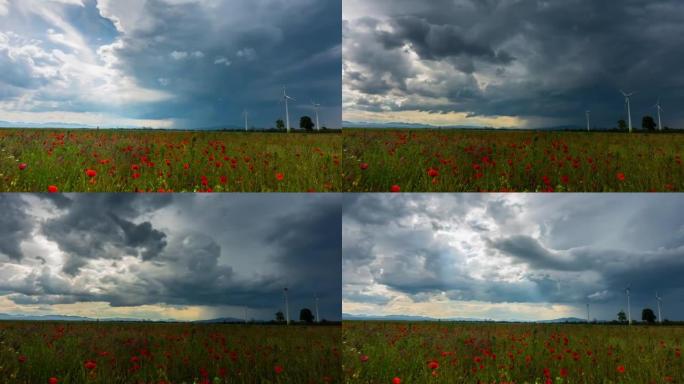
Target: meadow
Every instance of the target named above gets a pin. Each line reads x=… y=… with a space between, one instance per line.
x=118 y=353
x=508 y=161
x=394 y=352
x=168 y=161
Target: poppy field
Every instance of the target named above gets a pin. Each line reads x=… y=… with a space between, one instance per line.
x=102 y=353
x=488 y=161
x=154 y=161
x=396 y=353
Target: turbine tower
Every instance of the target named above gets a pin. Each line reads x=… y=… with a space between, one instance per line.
x=629 y=108
x=588 y=313
x=660 y=109
x=660 y=302
x=287 y=308
x=316 y=106
x=629 y=308
x=588 y=113
x=287 y=109
x=246 y=115
x=318 y=319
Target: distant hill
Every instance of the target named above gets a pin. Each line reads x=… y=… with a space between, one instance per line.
x=4 y=316
x=564 y=320
x=222 y=320
x=347 y=316
x=14 y=124
x=399 y=125
x=7 y=317
x=353 y=124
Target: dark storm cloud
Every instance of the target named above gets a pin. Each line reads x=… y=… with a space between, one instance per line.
x=198 y=63
x=532 y=59
x=97 y=227
x=569 y=250
x=15 y=226
x=133 y=250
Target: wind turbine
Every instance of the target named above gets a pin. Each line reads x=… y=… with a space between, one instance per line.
x=316 y=106
x=287 y=308
x=318 y=319
x=629 y=109
x=246 y=115
x=588 y=313
x=660 y=302
x=629 y=309
x=287 y=110
x=588 y=113
x=660 y=109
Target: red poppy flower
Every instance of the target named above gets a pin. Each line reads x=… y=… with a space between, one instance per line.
x=53 y=189
x=280 y=176
x=22 y=166
x=186 y=166
x=278 y=369
x=135 y=167
x=433 y=364
x=433 y=172
x=363 y=166
x=22 y=358
x=363 y=358
x=90 y=365
x=91 y=173
x=395 y=188
x=620 y=176
x=53 y=380
x=621 y=368
x=396 y=380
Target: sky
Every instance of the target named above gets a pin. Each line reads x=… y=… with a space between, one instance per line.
x=184 y=257
x=522 y=257
x=505 y=63
x=169 y=63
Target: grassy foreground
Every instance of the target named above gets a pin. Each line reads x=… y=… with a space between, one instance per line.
x=386 y=352
x=166 y=161
x=481 y=161
x=103 y=353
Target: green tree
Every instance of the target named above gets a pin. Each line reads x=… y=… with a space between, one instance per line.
x=306 y=123
x=280 y=317
x=280 y=124
x=648 y=316
x=622 y=317
x=622 y=125
x=648 y=124
x=306 y=316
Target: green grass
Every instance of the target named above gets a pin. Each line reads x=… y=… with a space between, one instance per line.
x=511 y=353
x=149 y=161
x=488 y=161
x=34 y=352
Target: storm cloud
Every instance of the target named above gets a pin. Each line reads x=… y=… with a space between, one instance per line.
x=182 y=251
x=525 y=63
x=506 y=256
x=168 y=63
